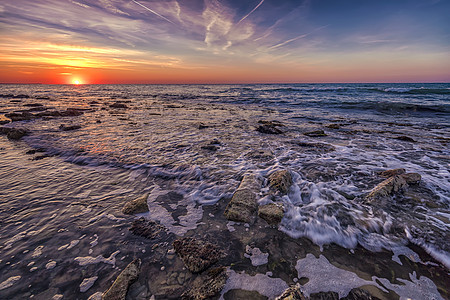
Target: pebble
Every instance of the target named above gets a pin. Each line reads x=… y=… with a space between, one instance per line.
x=163 y=268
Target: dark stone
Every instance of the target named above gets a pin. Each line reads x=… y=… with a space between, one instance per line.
x=6 y=95
x=136 y=206
x=292 y=293
x=21 y=96
x=202 y=126
x=119 y=289
x=23 y=116
x=146 y=229
x=280 y=181
x=333 y=126
x=13 y=133
x=359 y=294
x=271 y=123
x=316 y=133
x=210 y=147
x=405 y=138
x=269 y=129
x=209 y=287
x=98 y=121
x=324 y=296
x=39 y=157
x=33 y=105
x=118 y=105
x=197 y=255
x=393 y=172
x=69 y=127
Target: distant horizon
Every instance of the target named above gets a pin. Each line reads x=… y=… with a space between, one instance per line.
x=248 y=83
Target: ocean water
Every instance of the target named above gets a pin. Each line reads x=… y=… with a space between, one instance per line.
x=62 y=191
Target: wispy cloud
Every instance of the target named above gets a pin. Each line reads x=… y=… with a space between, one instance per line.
x=256 y=7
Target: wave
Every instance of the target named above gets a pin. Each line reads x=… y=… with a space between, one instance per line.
x=396 y=107
x=413 y=91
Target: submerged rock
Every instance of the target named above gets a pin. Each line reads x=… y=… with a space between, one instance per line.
x=243 y=205
x=359 y=294
x=136 y=206
x=392 y=172
x=272 y=213
x=119 y=289
x=280 y=181
x=324 y=296
x=147 y=229
x=118 y=105
x=388 y=187
x=316 y=133
x=412 y=178
x=197 y=255
x=315 y=147
x=213 y=284
x=269 y=129
x=13 y=133
x=69 y=127
x=292 y=293
x=405 y=138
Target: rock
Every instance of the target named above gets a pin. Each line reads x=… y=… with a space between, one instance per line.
x=292 y=293
x=119 y=289
x=393 y=172
x=270 y=123
x=210 y=147
x=359 y=294
x=33 y=105
x=213 y=284
x=272 y=213
x=280 y=181
x=69 y=127
x=147 y=229
x=316 y=133
x=269 y=129
x=136 y=206
x=412 y=178
x=202 y=126
x=243 y=205
x=20 y=116
x=333 y=126
x=197 y=255
x=405 y=138
x=4 y=120
x=118 y=105
x=324 y=296
x=13 y=133
x=315 y=147
x=388 y=187
x=21 y=96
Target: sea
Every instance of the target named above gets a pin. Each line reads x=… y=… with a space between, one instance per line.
x=186 y=148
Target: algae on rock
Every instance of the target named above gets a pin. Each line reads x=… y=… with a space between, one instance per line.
x=119 y=289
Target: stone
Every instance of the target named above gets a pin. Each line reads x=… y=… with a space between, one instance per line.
x=269 y=129
x=280 y=181
x=388 y=187
x=315 y=147
x=118 y=105
x=119 y=289
x=17 y=116
x=324 y=296
x=405 y=138
x=359 y=294
x=272 y=213
x=69 y=127
x=146 y=229
x=392 y=172
x=136 y=206
x=243 y=204
x=197 y=255
x=4 y=120
x=316 y=133
x=13 y=133
x=412 y=178
x=292 y=293
x=333 y=126
x=209 y=287
x=210 y=147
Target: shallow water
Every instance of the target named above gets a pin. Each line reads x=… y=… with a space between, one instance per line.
x=188 y=146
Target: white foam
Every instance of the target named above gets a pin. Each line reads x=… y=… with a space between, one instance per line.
x=263 y=284
x=73 y=244
x=9 y=282
x=94 y=242
x=257 y=257
x=50 y=265
x=87 y=283
x=88 y=260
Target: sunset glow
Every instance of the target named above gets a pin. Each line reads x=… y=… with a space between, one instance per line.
x=153 y=41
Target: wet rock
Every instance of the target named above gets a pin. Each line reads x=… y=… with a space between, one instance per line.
x=136 y=206
x=119 y=289
x=21 y=96
x=392 y=172
x=146 y=229
x=280 y=181
x=13 y=133
x=405 y=138
x=118 y=105
x=269 y=129
x=210 y=147
x=292 y=293
x=260 y=154
x=272 y=213
x=315 y=147
x=243 y=294
x=69 y=127
x=412 y=178
x=6 y=95
x=333 y=126
x=202 y=126
x=271 y=123
x=359 y=294
x=388 y=187
x=211 y=286
x=324 y=296
x=243 y=205
x=33 y=105
x=197 y=255
x=316 y=133
x=20 y=116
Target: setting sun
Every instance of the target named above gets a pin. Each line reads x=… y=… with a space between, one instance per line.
x=76 y=81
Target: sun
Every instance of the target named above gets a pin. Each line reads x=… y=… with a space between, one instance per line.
x=76 y=81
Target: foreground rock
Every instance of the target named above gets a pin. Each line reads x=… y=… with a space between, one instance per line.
x=280 y=181
x=210 y=287
x=13 y=133
x=272 y=213
x=397 y=182
x=136 y=206
x=269 y=129
x=243 y=205
x=146 y=229
x=316 y=133
x=392 y=172
x=119 y=289
x=292 y=293
x=197 y=255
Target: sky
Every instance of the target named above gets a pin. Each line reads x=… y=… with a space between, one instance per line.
x=224 y=41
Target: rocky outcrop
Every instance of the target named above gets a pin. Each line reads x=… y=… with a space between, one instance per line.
x=272 y=213
x=136 y=206
x=13 y=133
x=316 y=133
x=119 y=289
x=197 y=255
x=392 y=172
x=359 y=294
x=412 y=178
x=69 y=127
x=243 y=205
x=324 y=296
x=280 y=181
x=292 y=293
x=147 y=229
x=397 y=182
x=209 y=287
x=269 y=129
x=118 y=105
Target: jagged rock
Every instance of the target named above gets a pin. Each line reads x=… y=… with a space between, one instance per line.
x=119 y=289
x=324 y=296
x=333 y=126
x=213 y=284
x=280 y=181
x=69 y=127
x=393 y=172
x=136 y=206
x=292 y=293
x=269 y=129
x=210 y=147
x=271 y=123
x=359 y=294
x=243 y=205
x=118 y=105
x=388 y=187
x=145 y=228
x=13 y=133
x=405 y=138
x=315 y=133
x=412 y=178
x=197 y=255
x=315 y=147
x=20 y=116
x=272 y=213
